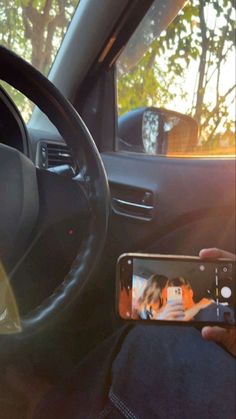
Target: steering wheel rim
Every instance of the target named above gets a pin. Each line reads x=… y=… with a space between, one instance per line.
x=25 y=78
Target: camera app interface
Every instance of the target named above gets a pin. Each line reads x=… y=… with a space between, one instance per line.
x=179 y=290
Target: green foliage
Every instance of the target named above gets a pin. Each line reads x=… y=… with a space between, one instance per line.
x=201 y=37
x=34 y=29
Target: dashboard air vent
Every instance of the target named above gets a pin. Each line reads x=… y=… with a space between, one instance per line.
x=52 y=155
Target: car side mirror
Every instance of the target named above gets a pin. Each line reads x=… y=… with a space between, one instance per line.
x=157 y=131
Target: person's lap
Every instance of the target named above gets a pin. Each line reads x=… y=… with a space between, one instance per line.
x=148 y=372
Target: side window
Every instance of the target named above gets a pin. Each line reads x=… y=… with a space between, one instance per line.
x=176 y=87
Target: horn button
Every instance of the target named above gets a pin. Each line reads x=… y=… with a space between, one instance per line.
x=19 y=204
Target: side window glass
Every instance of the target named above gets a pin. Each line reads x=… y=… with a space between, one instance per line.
x=176 y=87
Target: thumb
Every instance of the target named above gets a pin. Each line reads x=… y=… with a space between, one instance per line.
x=226 y=337
x=215 y=333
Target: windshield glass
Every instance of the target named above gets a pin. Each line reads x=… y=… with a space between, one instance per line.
x=34 y=29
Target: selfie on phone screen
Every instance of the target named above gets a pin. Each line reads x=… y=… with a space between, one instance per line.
x=177 y=290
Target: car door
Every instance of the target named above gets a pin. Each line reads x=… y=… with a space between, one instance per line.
x=192 y=203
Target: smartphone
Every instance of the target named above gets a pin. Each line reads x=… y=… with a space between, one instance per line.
x=176 y=289
x=174 y=295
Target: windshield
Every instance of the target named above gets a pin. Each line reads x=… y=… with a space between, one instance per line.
x=34 y=29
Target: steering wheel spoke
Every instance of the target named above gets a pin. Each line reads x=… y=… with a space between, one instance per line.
x=60 y=198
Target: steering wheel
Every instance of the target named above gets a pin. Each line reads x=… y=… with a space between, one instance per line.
x=28 y=193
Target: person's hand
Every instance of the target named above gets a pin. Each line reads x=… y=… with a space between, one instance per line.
x=225 y=337
x=171 y=311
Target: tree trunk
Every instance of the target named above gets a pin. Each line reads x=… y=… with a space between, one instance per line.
x=39 y=29
x=202 y=65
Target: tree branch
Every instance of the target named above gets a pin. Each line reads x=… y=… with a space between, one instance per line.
x=224 y=56
x=216 y=108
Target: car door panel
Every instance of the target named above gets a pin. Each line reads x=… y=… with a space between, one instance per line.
x=193 y=202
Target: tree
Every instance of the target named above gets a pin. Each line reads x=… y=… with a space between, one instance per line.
x=216 y=43
x=34 y=29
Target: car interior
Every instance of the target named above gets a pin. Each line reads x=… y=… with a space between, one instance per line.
x=78 y=188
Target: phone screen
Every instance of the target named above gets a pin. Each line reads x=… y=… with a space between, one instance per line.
x=172 y=289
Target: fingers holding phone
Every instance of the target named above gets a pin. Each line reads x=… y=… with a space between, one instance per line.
x=225 y=337
x=172 y=311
